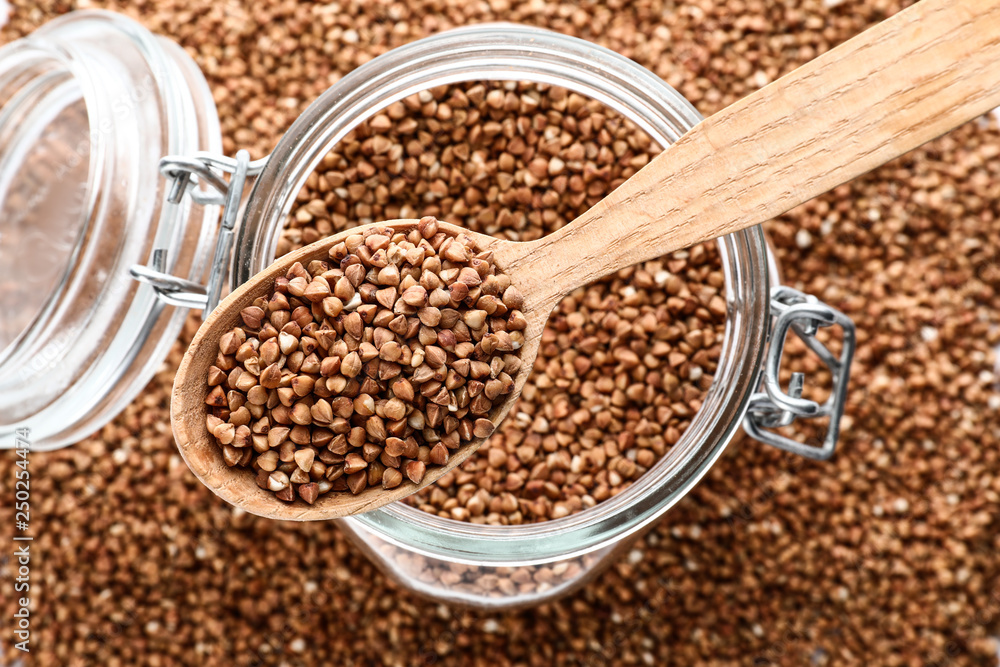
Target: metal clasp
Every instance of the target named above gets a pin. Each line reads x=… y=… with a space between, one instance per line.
x=185 y=174
x=773 y=407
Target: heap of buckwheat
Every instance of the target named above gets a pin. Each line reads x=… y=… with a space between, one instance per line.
x=372 y=365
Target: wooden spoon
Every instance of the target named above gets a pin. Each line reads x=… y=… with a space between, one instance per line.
x=892 y=88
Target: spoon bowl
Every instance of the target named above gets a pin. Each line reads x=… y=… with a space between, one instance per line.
x=236 y=485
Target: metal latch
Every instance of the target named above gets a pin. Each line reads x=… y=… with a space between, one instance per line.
x=185 y=174
x=773 y=408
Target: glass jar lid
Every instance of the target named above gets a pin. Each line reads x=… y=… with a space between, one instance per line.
x=89 y=104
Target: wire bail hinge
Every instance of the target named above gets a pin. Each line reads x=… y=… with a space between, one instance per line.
x=185 y=174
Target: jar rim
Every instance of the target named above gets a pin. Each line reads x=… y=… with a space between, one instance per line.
x=519 y=53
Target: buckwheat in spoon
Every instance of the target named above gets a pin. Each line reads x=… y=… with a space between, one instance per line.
x=356 y=370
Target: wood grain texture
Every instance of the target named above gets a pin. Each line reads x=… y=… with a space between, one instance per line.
x=237 y=485
x=892 y=88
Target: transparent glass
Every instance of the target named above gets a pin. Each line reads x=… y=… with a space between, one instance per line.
x=506 y=566
x=89 y=103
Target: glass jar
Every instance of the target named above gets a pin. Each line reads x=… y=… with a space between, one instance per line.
x=493 y=566
x=511 y=566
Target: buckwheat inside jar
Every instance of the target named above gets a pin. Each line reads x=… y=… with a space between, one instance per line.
x=623 y=364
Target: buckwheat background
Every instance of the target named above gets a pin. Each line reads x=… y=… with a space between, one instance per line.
x=886 y=555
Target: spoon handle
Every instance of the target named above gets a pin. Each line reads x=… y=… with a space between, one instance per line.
x=892 y=88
